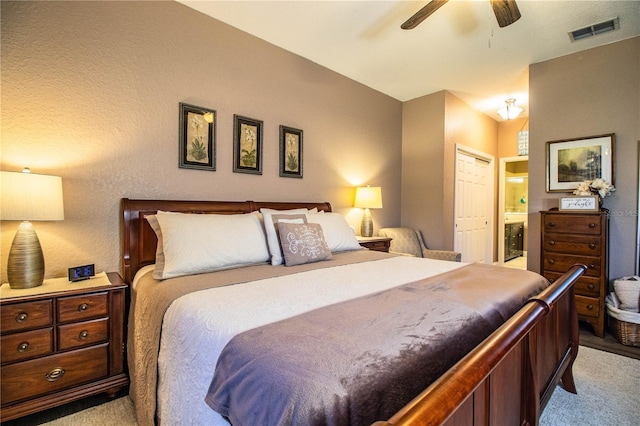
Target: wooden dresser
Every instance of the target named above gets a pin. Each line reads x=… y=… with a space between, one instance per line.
x=569 y=238
x=59 y=346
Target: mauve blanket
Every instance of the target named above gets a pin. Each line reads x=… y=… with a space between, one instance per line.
x=359 y=361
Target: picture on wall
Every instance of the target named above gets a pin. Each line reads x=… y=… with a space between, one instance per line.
x=197 y=137
x=572 y=161
x=290 y=152
x=247 y=145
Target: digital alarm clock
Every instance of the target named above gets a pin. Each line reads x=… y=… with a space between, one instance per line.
x=79 y=273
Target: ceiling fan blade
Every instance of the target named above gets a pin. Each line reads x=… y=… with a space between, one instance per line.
x=506 y=11
x=423 y=14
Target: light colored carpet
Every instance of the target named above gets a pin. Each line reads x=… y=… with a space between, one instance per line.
x=608 y=392
x=607 y=385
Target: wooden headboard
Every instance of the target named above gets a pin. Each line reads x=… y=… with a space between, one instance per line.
x=139 y=241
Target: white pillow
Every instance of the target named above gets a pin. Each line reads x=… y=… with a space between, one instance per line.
x=337 y=232
x=270 y=229
x=199 y=243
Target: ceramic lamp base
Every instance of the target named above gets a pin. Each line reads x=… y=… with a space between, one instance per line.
x=366 y=228
x=25 y=268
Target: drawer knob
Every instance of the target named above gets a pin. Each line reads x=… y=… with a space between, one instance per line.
x=551 y=261
x=590 y=286
x=592 y=245
x=552 y=223
x=592 y=225
x=552 y=243
x=590 y=307
x=23 y=347
x=55 y=374
x=83 y=307
x=22 y=317
x=592 y=266
x=84 y=335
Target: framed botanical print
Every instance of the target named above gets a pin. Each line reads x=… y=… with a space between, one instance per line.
x=197 y=137
x=572 y=161
x=290 y=152
x=247 y=145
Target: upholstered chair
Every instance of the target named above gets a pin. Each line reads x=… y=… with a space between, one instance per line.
x=409 y=242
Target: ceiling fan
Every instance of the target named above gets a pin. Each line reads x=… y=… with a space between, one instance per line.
x=506 y=12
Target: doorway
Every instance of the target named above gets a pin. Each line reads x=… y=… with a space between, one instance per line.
x=513 y=215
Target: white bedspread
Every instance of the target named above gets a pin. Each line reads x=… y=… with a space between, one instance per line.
x=198 y=325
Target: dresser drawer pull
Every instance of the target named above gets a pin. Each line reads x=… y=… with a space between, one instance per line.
x=592 y=225
x=592 y=266
x=590 y=307
x=84 y=335
x=23 y=347
x=552 y=223
x=552 y=243
x=83 y=307
x=551 y=261
x=54 y=374
x=592 y=245
x=590 y=286
x=22 y=317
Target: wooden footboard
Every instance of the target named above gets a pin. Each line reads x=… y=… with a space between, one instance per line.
x=508 y=378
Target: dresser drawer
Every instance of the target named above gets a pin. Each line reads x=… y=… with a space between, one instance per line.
x=572 y=244
x=25 y=345
x=572 y=224
x=83 y=334
x=52 y=373
x=588 y=306
x=561 y=263
x=27 y=315
x=78 y=308
x=585 y=286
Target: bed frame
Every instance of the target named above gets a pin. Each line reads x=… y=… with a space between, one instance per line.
x=507 y=379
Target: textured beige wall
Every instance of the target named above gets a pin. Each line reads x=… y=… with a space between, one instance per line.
x=90 y=92
x=432 y=126
x=585 y=94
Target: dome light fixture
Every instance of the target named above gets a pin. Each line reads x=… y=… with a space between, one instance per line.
x=510 y=111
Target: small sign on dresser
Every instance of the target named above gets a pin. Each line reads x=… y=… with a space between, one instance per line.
x=582 y=203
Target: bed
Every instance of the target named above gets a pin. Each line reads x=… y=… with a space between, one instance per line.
x=512 y=337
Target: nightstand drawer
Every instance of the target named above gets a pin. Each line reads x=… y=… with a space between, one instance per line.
x=83 y=334
x=24 y=316
x=588 y=306
x=78 y=308
x=49 y=374
x=29 y=344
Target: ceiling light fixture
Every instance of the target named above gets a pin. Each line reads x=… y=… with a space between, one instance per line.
x=511 y=111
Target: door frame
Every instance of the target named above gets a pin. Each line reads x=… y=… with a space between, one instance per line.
x=502 y=178
x=490 y=213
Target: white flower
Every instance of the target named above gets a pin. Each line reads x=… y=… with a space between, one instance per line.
x=599 y=187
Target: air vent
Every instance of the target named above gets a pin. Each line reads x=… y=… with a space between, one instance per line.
x=595 y=29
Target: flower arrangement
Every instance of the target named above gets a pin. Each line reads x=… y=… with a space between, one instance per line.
x=599 y=187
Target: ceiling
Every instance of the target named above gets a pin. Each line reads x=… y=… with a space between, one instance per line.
x=459 y=48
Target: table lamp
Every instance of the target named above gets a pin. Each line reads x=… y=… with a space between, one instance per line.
x=368 y=197
x=27 y=197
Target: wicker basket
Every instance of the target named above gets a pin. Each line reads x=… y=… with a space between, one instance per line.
x=625 y=332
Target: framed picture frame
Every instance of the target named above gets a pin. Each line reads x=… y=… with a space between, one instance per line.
x=290 y=152
x=572 y=161
x=247 y=145
x=589 y=203
x=197 y=140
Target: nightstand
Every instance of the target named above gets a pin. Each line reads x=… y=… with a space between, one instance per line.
x=61 y=342
x=375 y=243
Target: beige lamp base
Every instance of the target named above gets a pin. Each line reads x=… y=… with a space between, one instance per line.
x=25 y=268
x=366 y=228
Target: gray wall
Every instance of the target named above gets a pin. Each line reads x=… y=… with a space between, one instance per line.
x=585 y=94
x=90 y=92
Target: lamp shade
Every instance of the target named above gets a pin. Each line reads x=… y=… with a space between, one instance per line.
x=368 y=197
x=510 y=111
x=33 y=197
